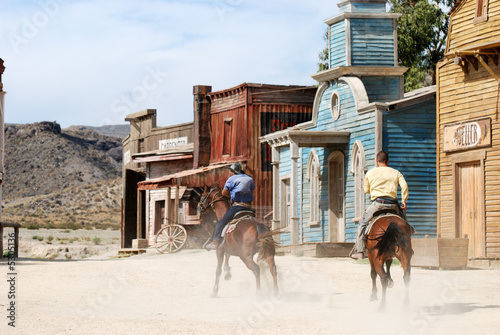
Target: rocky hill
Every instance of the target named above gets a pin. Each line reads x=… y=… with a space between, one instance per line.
x=61 y=176
x=119 y=130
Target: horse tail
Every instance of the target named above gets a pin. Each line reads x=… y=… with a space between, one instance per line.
x=392 y=238
x=266 y=244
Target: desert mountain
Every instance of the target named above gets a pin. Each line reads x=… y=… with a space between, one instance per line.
x=56 y=176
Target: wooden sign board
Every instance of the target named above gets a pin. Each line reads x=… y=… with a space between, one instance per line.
x=467 y=135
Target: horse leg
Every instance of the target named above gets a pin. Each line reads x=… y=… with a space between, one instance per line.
x=405 y=264
x=220 y=258
x=388 y=264
x=274 y=273
x=227 y=268
x=373 y=274
x=379 y=269
x=252 y=266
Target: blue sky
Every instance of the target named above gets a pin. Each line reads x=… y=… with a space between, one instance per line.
x=92 y=62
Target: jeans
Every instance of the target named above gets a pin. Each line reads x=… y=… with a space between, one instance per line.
x=231 y=212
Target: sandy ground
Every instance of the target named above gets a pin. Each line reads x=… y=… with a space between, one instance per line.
x=66 y=243
x=170 y=294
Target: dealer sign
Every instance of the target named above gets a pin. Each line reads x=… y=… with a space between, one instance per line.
x=467 y=135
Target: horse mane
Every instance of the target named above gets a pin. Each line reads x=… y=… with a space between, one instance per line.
x=393 y=236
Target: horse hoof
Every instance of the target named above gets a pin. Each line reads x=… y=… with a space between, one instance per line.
x=213 y=295
x=373 y=298
x=390 y=283
x=227 y=276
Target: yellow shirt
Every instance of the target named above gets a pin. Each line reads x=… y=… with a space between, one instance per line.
x=383 y=181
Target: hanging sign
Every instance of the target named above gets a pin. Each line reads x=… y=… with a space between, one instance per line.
x=467 y=135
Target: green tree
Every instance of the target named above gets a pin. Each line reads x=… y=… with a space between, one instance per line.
x=323 y=56
x=422 y=33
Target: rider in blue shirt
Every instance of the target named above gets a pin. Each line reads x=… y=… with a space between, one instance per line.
x=239 y=188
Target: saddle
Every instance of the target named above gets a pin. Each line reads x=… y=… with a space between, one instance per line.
x=383 y=214
x=246 y=214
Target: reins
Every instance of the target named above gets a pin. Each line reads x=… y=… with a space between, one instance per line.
x=212 y=203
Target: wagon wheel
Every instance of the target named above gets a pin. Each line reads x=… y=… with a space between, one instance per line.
x=170 y=238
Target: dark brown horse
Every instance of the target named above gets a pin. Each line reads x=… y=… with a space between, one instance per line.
x=390 y=236
x=248 y=237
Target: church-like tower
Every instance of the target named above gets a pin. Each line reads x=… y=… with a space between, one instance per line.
x=363 y=43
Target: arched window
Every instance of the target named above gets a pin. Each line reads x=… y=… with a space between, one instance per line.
x=358 y=169
x=335 y=105
x=313 y=175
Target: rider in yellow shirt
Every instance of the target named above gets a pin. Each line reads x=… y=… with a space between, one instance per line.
x=382 y=184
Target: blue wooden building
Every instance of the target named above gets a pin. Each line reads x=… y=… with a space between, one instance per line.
x=360 y=108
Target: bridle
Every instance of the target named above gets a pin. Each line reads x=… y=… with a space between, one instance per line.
x=217 y=197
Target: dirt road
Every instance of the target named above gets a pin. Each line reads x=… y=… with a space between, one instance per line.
x=170 y=294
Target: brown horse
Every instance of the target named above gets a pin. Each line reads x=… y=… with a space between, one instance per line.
x=248 y=237
x=390 y=236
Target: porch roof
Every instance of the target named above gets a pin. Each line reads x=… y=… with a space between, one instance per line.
x=192 y=178
x=306 y=138
x=174 y=153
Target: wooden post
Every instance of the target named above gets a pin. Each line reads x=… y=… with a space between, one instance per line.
x=176 y=206
x=16 y=227
x=276 y=186
x=1 y=239
x=168 y=204
x=139 y=214
x=294 y=220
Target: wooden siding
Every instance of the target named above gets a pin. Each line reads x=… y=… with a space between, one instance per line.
x=409 y=137
x=464 y=97
x=338 y=45
x=283 y=106
x=149 y=137
x=372 y=42
x=361 y=127
x=159 y=169
x=464 y=34
x=382 y=88
x=236 y=141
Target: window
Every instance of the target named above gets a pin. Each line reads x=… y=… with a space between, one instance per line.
x=286 y=210
x=481 y=11
x=358 y=169
x=335 y=105
x=313 y=175
x=226 y=146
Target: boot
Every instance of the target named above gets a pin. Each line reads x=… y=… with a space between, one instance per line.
x=212 y=246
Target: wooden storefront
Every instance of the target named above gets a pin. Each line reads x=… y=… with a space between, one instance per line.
x=227 y=127
x=240 y=115
x=468 y=159
x=149 y=150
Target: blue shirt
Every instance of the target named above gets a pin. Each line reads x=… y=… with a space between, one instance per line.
x=241 y=187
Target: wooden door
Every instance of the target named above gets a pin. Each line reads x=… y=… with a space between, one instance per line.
x=470 y=207
x=160 y=217
x=336 y=197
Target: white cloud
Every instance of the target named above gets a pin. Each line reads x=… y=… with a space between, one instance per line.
x=94 y=61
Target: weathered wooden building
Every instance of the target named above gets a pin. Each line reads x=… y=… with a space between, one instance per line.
x=150 y=151
x=360 y=108
x=230 y=123
x=468 y=136
x=226 y=128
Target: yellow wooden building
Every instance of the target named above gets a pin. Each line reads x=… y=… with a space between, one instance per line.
x=468 y=136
